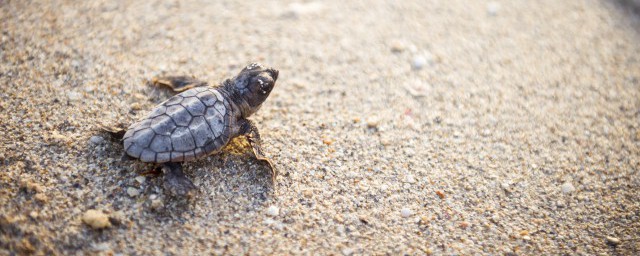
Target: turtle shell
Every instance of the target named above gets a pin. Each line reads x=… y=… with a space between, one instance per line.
x=188 y=125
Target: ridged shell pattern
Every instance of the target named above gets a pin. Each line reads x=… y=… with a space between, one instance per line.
x=189 y=125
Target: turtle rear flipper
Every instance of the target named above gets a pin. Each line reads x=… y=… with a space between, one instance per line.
x=175 y=182
x=178 y=83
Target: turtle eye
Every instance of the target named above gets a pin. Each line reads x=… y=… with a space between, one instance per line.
x=264 y=86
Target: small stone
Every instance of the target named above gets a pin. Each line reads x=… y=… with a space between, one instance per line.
x=141 y=179
x=418 y=62
x=96 y=140
x=526 y=238
x=157 y=204
x=406 y=212
x=398 y=46
x=297 y=10
x=373 y=122
x=409 y=179
x=100 y=247
x=96 y=219
x=117 y=218
x=347 y=251
x=273 y=210
x=417 y=88
x=613 y=240
x=464 y=224
x=493 y=8
x=424 y=220
x=31 y=186
x=364 y=219
x=41 y=197
x=567 y=188
x=73 y=96
x=307 y=193
x=133 y=192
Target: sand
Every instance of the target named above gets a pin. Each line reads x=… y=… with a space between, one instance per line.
x=415 y=127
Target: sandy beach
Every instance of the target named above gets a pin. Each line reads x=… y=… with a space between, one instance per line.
x=398 y=128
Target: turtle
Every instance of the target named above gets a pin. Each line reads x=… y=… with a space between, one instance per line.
x=200 y=121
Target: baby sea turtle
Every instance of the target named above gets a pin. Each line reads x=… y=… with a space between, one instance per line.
x=200 y=121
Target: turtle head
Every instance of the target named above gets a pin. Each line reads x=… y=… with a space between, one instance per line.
x=252 y=86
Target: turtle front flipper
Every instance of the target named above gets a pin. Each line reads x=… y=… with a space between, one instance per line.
x=175 y=182
x=178 y=83
x=250 y=131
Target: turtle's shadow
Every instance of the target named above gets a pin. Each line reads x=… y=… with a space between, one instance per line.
x=230 y=179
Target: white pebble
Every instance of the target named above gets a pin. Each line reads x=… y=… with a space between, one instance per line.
x=100 y=247
x=567 y=188
x=141 y=179
x=347 y=251
x=295 y=10
x=96 y=140
x=73 y=96
x=613 y=240
x=493 y=8
x=406 y=212
x=419 y=62
x=133 y=192
x=273 y=210
x=409 y=179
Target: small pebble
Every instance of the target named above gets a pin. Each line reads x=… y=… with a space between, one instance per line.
x=493 y=8
x=347 y=251
x=141 y=179
x=307 y=193
x=613 y=240
x=418 y=62
x=117 y=218
x=96 y=219
x=296 y=10
x=417 y=88
x=133 y=192
x=406 y=212
x=73 y=96
x=100 y=247
x=96 y=140
x=156 y=204
x=373 y=122
x=567 y=188
x=397 y=46
x=273 y=210
x=409 y=179
x=41 y=197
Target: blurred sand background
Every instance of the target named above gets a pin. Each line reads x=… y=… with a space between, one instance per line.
x=412 y=127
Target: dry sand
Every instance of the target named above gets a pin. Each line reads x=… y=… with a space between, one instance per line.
x=417 y=127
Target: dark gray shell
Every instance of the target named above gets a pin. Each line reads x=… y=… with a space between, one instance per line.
x=189 y=125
